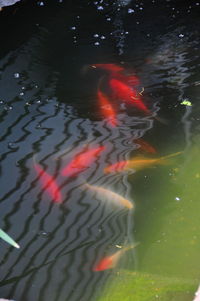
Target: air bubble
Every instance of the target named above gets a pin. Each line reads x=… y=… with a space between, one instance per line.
x=16 y=75
x=44 y=234
x=130 y=11
x=12 y=145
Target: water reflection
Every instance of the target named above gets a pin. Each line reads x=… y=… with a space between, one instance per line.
x=49 y=112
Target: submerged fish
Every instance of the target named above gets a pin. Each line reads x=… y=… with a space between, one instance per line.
x=49 y=184
x=110 y=262
x=122 y=91
x=107 y=109
x=109 y=67
x=145 y=146
x=110 y=196
x=130 y=80
x=82 y=161
x=139 y=162
x=8 y=239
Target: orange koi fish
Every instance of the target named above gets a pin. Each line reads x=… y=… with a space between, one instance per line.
x=49 y=184
x=82 y=161
x=109 y=67
x=145 y=146
x=122 y=91
x=107 y=109
x=110 y=262
x=111 y=196
x=139 y=163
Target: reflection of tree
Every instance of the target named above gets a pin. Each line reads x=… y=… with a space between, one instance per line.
x=7 y=2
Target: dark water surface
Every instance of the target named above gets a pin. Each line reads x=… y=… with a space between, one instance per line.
x=49 y=113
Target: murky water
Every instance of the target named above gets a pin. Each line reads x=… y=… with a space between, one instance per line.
x=49 y=113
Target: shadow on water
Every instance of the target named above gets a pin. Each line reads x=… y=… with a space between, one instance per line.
x=49 y=113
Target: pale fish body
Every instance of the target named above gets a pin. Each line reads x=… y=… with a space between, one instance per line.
x=111 y=196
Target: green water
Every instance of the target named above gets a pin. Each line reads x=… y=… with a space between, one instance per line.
x=168 y=267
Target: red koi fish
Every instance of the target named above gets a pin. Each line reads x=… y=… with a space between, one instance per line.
x=49 y=184
x=145 y=146
x=109 y=67
x=123 y=91
x=81 y=161
x=110 y=262
x=127 y=79
x=107 y=109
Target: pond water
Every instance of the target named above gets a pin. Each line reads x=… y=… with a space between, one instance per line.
x=50 y=113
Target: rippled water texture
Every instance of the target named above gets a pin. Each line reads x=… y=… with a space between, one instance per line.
x=49 y=113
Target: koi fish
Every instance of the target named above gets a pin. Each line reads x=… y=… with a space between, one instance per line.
x=110 y=196
x=49 y=184
x=139 y=163
x=109 y=67
x=127 y=79
x=82 y=161
x=122 y=91
x=145 y=146
x=107 y=109
x=110 y=262
x=8 y=239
